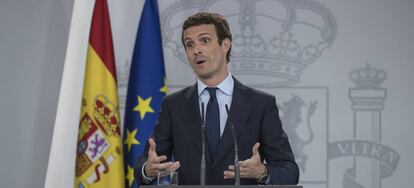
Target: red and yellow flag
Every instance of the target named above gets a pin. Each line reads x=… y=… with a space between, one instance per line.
x=99 y=156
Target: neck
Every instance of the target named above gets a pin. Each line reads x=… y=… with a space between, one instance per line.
x=215 y=80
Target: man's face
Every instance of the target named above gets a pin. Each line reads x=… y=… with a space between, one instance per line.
x=205 y=54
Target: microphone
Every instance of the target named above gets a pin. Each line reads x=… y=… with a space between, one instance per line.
x=236 y=150
x=203 y=148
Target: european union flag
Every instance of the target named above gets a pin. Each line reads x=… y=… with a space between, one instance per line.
x=146 y=88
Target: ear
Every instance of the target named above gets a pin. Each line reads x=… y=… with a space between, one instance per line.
x=225 y=45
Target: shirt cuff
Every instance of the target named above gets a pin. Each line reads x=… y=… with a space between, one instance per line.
x=146 y=179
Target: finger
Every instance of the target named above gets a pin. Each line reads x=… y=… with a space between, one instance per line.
x=242 y=168
x=228 y=174
x=175 y=166
x=231 y=167
x=152 y=144
x=243 y=174
x=169 y=166
x=158 y=159
x=255 y=150
x=165 y=166
x=152 y=149
x=158 y=166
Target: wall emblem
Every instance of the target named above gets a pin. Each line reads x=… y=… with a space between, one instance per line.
x=372 y=161
x=292 y=118
x=273 y=41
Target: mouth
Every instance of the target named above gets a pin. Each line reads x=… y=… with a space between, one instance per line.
x=199 y=62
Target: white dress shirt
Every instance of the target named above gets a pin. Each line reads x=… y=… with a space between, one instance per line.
x=224 y=95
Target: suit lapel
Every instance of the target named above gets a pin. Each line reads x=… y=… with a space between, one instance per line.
x=190 y=112
x=239 y=111
x=191 y=116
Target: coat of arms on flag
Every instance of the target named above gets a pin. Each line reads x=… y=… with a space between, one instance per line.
x=95 y=132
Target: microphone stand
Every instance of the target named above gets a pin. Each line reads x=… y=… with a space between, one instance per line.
x=236 y=150
x=203 y=148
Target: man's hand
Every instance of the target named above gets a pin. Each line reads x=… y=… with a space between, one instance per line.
x=250 y=168
x=154 y=164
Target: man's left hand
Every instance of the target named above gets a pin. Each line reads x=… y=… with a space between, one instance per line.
x=250 y=168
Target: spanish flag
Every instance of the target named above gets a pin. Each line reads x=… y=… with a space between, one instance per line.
x=99 y=156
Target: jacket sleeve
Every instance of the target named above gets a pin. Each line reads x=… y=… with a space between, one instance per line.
x=162 y=135
x=275 y=148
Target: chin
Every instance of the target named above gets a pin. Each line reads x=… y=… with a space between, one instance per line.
x=203 y=75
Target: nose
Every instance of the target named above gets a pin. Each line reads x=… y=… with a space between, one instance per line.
x=197 y=49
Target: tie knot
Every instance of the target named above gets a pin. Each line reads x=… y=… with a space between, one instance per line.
x=212 y=91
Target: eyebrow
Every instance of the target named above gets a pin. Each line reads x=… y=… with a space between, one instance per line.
x=200 y=35
x=203 y=34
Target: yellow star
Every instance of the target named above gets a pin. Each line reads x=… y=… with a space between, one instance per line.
x=143 y=106
x=130 y=175
x=130 y=139
x=164 y=88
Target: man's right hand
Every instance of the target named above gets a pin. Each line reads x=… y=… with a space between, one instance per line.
x=154 y=164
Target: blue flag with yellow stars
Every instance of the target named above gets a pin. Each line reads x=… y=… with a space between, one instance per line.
x=146 y=88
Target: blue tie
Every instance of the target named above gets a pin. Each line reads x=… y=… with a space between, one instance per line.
x=213 y=121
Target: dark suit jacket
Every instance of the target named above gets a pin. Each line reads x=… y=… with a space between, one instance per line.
x=256 y=119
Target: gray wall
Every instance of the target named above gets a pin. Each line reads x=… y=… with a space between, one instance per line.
x=330 y=108
x=33 y=38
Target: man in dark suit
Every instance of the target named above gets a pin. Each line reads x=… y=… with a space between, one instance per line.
x=176 y=141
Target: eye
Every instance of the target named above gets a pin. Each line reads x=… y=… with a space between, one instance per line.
x=189 y=44
x=205 y=40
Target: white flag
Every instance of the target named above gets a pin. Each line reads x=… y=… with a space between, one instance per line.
x=61 y=168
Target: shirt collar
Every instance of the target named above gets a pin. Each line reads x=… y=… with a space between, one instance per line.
x=226 y=86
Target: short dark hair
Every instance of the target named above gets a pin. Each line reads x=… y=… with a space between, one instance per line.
x=221 y=25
